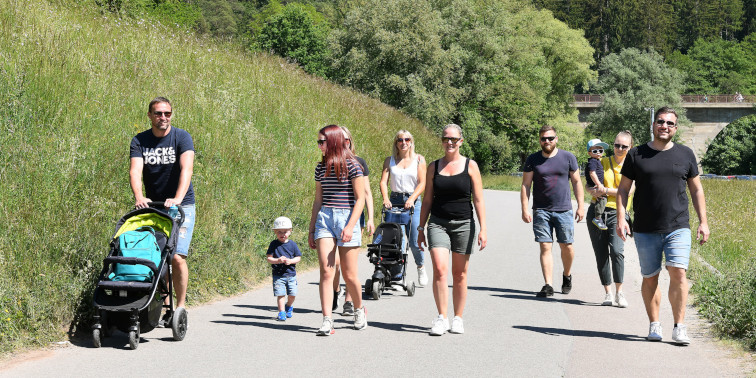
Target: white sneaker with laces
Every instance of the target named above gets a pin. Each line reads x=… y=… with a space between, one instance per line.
x=422 y=276
x=457 y=325
x=327 y=328
x=654 y=332
x=360 y=318
x=439 y=326
x=621 y=301
x=608 y=299
x=680 y=335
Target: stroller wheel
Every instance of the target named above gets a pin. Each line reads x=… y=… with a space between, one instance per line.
x=96 y=338
x=179 y=324
x=368 y=287
x=377 y=289
x=411 y=289
x=133 y=339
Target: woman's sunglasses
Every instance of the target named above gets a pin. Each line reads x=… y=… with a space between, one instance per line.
x=450 y=139
x=406 y=140
x=620 y=146
x=321 y=141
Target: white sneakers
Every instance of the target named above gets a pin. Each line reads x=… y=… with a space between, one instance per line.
x=422 y=276
x=680 y=335
x=360 y=318
x=439 y=326
x=457 y=326
x=654 y=332
x=608 y=299
x=327 y=328
x=621 y=301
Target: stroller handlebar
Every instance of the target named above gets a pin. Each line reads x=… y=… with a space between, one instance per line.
x=160 y=205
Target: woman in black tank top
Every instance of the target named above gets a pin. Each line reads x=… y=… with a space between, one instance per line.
x=450 y=184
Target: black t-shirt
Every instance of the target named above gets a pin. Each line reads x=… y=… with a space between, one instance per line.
x=288 y=249
x=363 y=164
x=551 y=180
x=162 y=169
x=660 y=201
x=594 y=165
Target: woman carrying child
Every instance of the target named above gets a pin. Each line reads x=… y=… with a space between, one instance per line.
x=450 y=182
x=406 y=170
x=339 y=201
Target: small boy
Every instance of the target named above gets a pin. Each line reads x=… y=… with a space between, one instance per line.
x=594 y=178
x=283 y=255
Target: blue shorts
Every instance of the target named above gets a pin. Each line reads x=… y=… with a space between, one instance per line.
x=331 y=221
x=545 y=222
x=186 y=230
x=675 y=246
x=285 y=286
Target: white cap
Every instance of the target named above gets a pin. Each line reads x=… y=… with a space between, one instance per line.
x=282 y=223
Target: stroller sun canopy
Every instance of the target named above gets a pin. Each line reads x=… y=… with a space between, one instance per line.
x=157 y=221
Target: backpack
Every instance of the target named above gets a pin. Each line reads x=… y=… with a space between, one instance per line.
x=140 y=243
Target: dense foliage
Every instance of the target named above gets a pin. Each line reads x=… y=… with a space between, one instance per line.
x=733 y=151
x=718 y=66
x=631 y=81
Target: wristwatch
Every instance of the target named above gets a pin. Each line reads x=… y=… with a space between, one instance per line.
x=420 y=228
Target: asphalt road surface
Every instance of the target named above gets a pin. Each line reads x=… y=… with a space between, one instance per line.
x=508 y=331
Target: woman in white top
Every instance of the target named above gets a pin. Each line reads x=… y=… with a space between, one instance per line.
x=406 y=169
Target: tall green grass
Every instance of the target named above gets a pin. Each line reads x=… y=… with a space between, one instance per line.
x=74 y=86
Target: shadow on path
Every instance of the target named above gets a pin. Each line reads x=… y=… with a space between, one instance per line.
x=272 y=325
x=297 y=310
x=530 y=295
x=581 y=333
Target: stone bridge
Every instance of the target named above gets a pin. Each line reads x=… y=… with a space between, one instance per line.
x=709 y=114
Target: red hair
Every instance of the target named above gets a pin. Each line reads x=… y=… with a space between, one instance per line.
x=337 y=153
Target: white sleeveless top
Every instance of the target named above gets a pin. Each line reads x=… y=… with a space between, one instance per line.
x=403 y=180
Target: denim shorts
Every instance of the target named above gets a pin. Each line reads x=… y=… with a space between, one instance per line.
x=284 y=286
x=545 y=222
x=331 y=221
x=675 y=246
x=456 y=235
x=186 y=230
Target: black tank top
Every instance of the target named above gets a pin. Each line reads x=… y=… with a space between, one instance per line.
x=451 y=194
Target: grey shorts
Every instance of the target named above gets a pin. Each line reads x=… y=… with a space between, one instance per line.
x=457 y=235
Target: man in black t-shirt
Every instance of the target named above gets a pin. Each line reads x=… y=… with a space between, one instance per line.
x=550 y=172
x=662 y=170
x=164 y=157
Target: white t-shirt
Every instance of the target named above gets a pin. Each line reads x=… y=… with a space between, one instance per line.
x=403 y=180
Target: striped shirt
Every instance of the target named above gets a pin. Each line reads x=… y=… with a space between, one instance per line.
x=337 y=193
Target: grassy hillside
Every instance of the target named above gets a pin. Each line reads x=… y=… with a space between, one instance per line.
x=74 y=87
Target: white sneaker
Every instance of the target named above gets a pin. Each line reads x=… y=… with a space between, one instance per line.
x=440 y=326
x=422 y=277
x=608 y=299
x=680 y=335
x=621 y=301
x=327 y=328
x=654 y=332
x=457 y=326
x=360 y=318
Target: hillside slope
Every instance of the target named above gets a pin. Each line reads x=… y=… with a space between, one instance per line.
x=74 y=88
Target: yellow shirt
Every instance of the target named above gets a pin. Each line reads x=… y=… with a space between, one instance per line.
x=612 y=179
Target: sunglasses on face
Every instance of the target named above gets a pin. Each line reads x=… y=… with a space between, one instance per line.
x=620 y=146
x=550 y=139
x=406 y=140
x=599 y=151
x=662 y=122
x=160 y=114
x=321 y=141
x=450 y=139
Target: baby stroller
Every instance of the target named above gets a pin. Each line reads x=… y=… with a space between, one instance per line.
x=388 y=253
x=130 y=291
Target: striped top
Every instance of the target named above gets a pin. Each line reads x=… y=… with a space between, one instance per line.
x=337 y=193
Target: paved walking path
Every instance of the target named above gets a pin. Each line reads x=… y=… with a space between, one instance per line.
x=508 y=331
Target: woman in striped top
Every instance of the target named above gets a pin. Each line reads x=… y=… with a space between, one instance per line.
x=339 y=201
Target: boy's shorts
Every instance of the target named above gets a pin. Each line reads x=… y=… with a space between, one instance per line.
x=331 y=221
x=284 y=286
x=675 y=246
x=545 y=222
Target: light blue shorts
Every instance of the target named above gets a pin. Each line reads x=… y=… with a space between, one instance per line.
x=284 y=286
x=186 y=230
x=675 y=246
x=545 y=222
x=331 y=221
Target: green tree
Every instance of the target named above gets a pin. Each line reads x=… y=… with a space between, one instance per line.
x=295 y=34
x=718 y=66
x=630 y=81
x=220 y=17
x=733 y=151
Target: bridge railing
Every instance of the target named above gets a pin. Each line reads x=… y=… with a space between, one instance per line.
x=715 y=98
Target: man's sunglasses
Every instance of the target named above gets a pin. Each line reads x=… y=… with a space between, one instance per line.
x=160 y=114
x=669 y=123
x=620 y=146
x=599 y=151
x=450 y=139
x=399 y=140
x=550 y=139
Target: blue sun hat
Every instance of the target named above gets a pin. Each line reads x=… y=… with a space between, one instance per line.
x=597 y=142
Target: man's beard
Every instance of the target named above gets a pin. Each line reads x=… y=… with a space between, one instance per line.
x=548 y=148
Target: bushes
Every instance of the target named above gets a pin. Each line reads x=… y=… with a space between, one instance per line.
x=729 y=301
x=733 y=151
